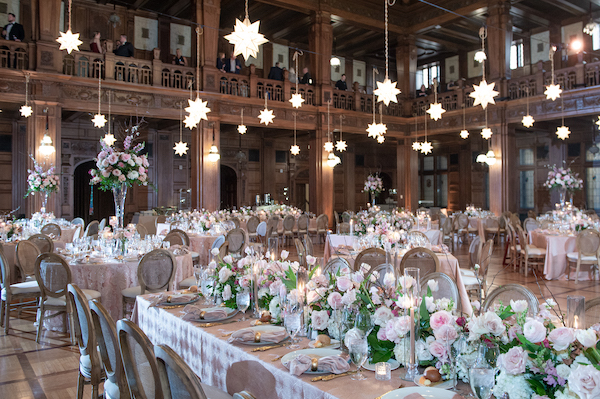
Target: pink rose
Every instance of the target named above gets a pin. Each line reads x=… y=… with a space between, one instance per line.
x=534 y=331
x=513 y=331
x=344 y=284
x=122 y=178
x=445 y=334
x=438 y=349
x=440 y=318
x=513 y=361
x=113 y=159
x=349 y=297
x=381 y=335
x=585 y=382
x=319 y=319
x=561 y=338
x=125 y=157
x=116 y=172
x=321 y=281
x=397 y=328
x=493 y=323
x=335 y=300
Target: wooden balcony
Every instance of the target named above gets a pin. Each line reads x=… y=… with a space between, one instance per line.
x=14 y=55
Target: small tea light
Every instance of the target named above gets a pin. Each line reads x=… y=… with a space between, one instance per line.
x=383 y=371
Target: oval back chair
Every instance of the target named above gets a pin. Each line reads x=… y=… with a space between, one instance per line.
x=446 y=287
x=43 y=242
x=372 y=257
x=421 y=258
x=504 y=293
x=51 y=230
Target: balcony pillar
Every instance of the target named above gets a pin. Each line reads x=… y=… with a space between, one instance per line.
x=406 y=66
x=321 y=175
x=206 y=175
x=499 y=40
x=320 y=43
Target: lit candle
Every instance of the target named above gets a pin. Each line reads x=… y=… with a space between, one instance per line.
x=576 y=322
x=351 y=227
x=383 y=371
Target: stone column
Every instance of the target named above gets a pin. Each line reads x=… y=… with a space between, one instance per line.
x=320 y=42
x=206 y=175
x=499 y=40
x=348 y=165
x=321 y=175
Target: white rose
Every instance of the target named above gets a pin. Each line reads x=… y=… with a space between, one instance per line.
x=284 y=254
x=518 y=306
x=382 y=315
x=534 y=331
x=433 y=285
x=493 y=323
x=228 y=259
x=319 y=319
x=227 y=293
x=224 y=274
x=563 y=371
x=561 y=338
x=214 y=251
x=585 y=382
x=587 y=338
x=429 y=303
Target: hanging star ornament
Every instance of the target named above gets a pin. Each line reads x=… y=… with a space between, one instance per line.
x=528 y=121
x=435 y=111
x=242 y=129
x=295 y=150
x=190 y=122
x=109 y=139
x=597 y=122
x=486 y=133
x=328 y=146
x=266 y=116
x=483 y=94
x=464 y=134
x=380 y=139
x=99 y=120
x=416 y=146
x=341 y=145
x=69 y=41
x=563 y=132
x=181 y=148
x=386 y=92
x=552 y=92
x=245 y=38
x=426 y=147
x=26 y=111
x=196 y=110
x=296 y=100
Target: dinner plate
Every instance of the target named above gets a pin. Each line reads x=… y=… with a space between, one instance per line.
x=447 y=384
x=428 y=393
x=264 y=328
x=394 y=364
x=196 y=299
x=333 y=345
x=230 y=314
x=313 y=353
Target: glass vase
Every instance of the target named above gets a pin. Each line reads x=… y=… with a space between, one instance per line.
x=119 y=194
x=563 y=197
x=44 y=202
x=373 y=199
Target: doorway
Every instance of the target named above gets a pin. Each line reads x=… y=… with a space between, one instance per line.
x=228 y=188
x=102 y=201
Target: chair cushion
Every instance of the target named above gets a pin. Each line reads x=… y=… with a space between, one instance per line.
x=61 y=301
x=188 y=282
x=535 y=251
x=132 y=292
x=22 y=288
x=573 y=256
x=195 y=255
x=467 y=272
x=470 y=280
x=214 y=393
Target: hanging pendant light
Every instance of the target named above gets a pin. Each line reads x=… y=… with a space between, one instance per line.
x=528 y=120
x=552 y=90
x=375 y=129
x=328 y=146
x=46 y=148
x=181 y=148
x=99 y=120
x=242 y=129
x=266 y=115
x=382 y=126
x=464 y=133
x=26 y=110
x=69 y=41
x=295 y=149
x=416 y=145
x=197 y=109
x=435 y=110
x=386 y=91
x=297 y=99
x=245 y=37
x=426 y=146
x=109 y=138
x=563 y=132
x=484 y=93
x=213 y=153
x=341 y=145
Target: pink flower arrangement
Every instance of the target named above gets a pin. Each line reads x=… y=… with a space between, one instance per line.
x=373 y=184
x=563 y=178
x=40 y=180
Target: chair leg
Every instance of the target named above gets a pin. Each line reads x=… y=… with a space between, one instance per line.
x=40 y=324
x=577 y=271
x=94 y=391
x=2 y=305
x=6 y=314
x=80 y=385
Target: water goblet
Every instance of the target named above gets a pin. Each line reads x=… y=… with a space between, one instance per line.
x=359 y=351
x=364 y=322
x=243 y=302
x=482 y=381
x=293 y=324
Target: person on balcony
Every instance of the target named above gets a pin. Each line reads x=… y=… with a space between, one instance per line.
x=124 y=48
x=341 y=84
x=276 y=73
x=221 y=62
x=306 y=78
x=96 y=44
x=179 y=59
x=234 y=65
x=13 y=31
x=422 y=92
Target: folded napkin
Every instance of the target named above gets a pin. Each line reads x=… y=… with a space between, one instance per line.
x=179 y=249
x=247 y=336
x=333 y=364
x=158 y=298
x=194 y=312
x=164 y=297
x=419 y=396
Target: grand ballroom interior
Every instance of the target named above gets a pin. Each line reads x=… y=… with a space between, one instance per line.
x=251 y=198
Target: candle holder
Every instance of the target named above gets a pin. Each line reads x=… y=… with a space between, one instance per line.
x=301 y=281
x=273 y=247
x=255 y=274
x=411 y=290
x=576 y=312
x=383 y=371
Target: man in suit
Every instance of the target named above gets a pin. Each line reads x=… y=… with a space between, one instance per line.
x=276 y=73
x=233 y=65
x=341 y=84
x=13 y=30
x=306 y=78
x=124 y=48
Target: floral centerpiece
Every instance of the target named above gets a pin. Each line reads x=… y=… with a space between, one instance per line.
x=564 y=180
x=373 y=185
x=119 y=168
x=41 y=181
x=9 y=228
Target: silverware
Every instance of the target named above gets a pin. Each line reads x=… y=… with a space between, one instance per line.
x=381 y=396
x=266 y=348
x=227 y=334
x=333 y=376
x=216 y=324
x=278 y=358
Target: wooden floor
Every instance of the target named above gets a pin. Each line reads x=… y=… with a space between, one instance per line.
x=49 y=370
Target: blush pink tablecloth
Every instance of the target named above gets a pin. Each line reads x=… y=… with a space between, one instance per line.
x=557 y=247
x=9 y=249
x=233 y=367
x=202 y=245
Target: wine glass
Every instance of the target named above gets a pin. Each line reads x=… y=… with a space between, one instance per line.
x=364 y=322
x=482 y=381
x=359 y=351
x=198 y=275
x=243 y=302
x=293 y=324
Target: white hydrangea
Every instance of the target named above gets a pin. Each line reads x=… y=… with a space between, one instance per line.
x=516 y=386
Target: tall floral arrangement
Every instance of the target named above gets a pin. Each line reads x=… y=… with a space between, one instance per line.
x=563 y=178
x=121 y=165
x=373 y=184
x=40 y=180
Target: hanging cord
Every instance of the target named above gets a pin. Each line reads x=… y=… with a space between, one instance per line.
x=527 y=90
x=26 y=89
x=328 y=133
x=464 y=122
x=295 y=114
x=180 y=122
x=242 y=115
x=109 y=103
x=99 y=87
x=375 y=71
x=70 y=15
x=247 y=10
x=341 y=123
x=483 y=35
x=200 y=31
x=551 y=54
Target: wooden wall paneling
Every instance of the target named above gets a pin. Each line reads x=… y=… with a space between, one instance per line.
x=164 y=156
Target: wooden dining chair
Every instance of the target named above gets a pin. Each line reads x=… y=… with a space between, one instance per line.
x=92 y=229
x=592 y=312
x=421 y=258
x=333 y=265
x=105 y=328
x=178 y=237
x=26 y=252
x=51 y=230
x=504 y=294
x=288 y=227
x=446 y=287
x=141 y=229
x=372 y=257
x=588 y=253
x=236 y=239
x=43 y=242
x=251 y=226
x=376 y=276
x=155 y=272
x=90 y=369
x=475 y=282
x=236 y=222
x=322 y=226
x=303 y=223
x=418 y=238
x=530 y=224
x=530 y=255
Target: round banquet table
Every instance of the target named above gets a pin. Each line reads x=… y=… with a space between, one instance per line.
x=202 y=244
x=557 y=247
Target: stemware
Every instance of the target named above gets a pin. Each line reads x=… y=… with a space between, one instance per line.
x=293 y=324
x=364 y=322
x=359 y=351
x=482 y=382
x=243 y=302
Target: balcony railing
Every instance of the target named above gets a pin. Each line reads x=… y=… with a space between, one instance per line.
x=343 y=100
x=83 y=64
x=306 y=92
x=14 y=55
x=177 y=77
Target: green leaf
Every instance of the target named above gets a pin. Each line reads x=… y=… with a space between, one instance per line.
x=529 y=346
x=506 y=313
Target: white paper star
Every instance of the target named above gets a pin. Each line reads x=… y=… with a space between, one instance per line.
x=486 y=133
x=373 y=130
x=242 y=129
x=197 y=111
x=386 y=92
x=380 y=139
x=328 y=146
x=245 y=38
x=190 y=122
x=416 y=146
x=435 y=111
x=563 y=132
x=26 y=111
x=99 y=120
x=597 y=122
x=296 y=100
x=181 y=148
x=109 y=139
x=552 y=92
x=295 y=150
x=528 y=121
x=341 y=145
x=266 y=116
x=426 y=147
x=382 y=128
x=69 y=41
x=483 y=94
x=464 y=134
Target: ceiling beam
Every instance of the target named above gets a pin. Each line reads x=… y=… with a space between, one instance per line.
x=290 y=28
x=569 y=6
x=459 y=35
x=522 y=11
x=178 y=7
x=139 y=4
x=447 y=17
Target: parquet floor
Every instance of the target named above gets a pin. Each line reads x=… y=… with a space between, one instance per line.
x=49 y=369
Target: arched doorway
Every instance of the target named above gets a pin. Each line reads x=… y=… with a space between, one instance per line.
x=103 y=204
x=228 y=187
x=387 y=184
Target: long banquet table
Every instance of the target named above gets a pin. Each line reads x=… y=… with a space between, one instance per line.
x=233 y=367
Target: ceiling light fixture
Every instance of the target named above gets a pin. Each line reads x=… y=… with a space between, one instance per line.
x=528 y=120
x=341 y=145
x=435 y=110
x=483 y=93
x=245 y=37
x=486 y=132
x=197 y=109
x=464 y=133
x=213 y=153
x=416 y=145
x=109 y=138
x=297 y=99
x=426 y=146
x=563 y=131
x=69 y=41
x=590 y=27
x=26 y=110
x=99 y=119
x=553 y=90
x=242 y=129
x=46 y=148
x=386 y=91
x=328 y=146
x=266 y=116
x=181 y=148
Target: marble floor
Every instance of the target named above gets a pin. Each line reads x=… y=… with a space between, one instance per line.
x=49 y=369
